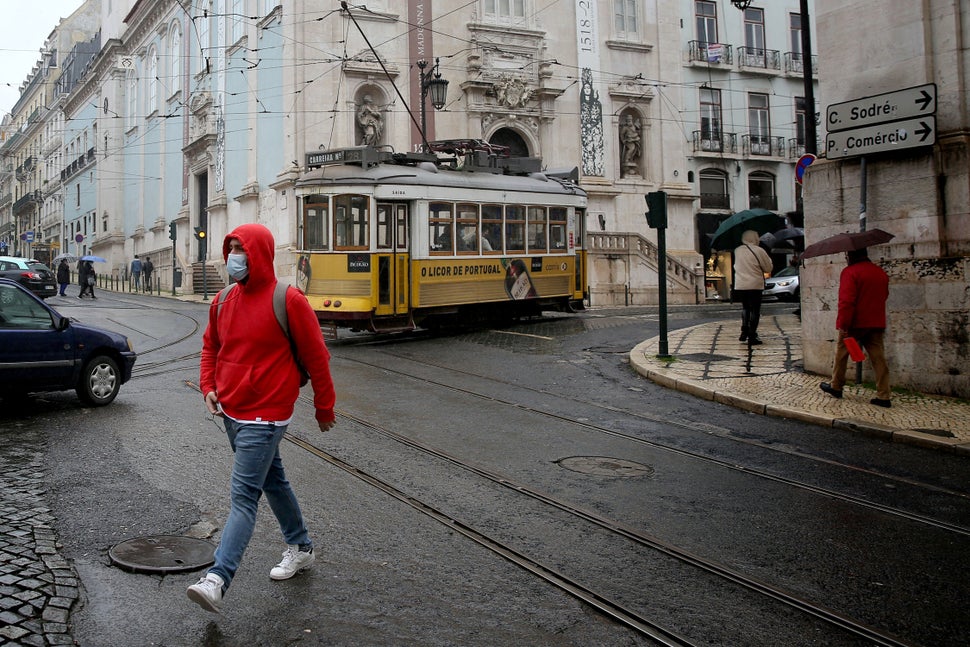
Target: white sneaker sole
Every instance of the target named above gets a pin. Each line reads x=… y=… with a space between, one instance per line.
x=203 y=601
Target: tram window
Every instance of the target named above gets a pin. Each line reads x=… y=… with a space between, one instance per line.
x=351 y=220
x=492 y=228
x=402 y=226
x=537 y=230
x=514 y=228
x=440 y=222
x=557 y=229
x=316 y=227
x=385 y=228
x=467 y=228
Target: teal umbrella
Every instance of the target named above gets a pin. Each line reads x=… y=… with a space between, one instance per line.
x=728 y=234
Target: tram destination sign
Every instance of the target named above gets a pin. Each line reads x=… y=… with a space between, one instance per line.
x=909 y=133
x=918 y=101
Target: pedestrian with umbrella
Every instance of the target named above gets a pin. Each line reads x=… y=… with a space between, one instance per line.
x=752 y=266
x=863 y=292
x=86 y=278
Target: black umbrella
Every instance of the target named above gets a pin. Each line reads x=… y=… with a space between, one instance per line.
x=847 y=242
x=788 y=234
x=728 y=234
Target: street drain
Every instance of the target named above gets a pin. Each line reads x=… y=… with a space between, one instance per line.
x=162 y=554
x=605 y=466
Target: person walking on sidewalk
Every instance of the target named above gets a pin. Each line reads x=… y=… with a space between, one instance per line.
x=751 y=265
x=250 y=376
x=136 y=269
x=63 y=276
x=863 y=292
x=87 y=277
x=147 y=268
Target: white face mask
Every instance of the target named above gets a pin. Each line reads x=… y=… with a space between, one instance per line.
x=237 y=266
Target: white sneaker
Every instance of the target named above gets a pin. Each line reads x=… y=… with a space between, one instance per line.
x=294 y=561
x=207 y=592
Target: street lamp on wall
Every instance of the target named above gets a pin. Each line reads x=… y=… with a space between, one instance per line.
x=437 y=87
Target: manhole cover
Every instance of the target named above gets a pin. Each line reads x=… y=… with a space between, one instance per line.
x=605 y=466
x=162 y=554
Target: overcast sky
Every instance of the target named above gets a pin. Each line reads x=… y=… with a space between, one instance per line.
x=25 y=26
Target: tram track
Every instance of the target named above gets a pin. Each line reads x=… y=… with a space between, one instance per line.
x=702 y=427
x=615 y=610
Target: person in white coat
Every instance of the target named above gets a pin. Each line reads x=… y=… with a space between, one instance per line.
x=751 y=266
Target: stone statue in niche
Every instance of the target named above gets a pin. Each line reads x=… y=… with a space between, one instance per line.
x=371 y=122
x=630 y=148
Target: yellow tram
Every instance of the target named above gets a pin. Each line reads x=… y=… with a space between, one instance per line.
x=393 y=241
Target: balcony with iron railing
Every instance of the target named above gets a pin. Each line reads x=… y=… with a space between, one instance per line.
x=714 y=142
x=77 y=165
x=755 y=59
x=762 y=145
x=769 y=202
x=796 y=147
x=27 y=200
x=795 y=64
x=715 y=201
x=712 y=53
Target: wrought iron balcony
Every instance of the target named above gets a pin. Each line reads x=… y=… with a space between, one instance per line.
x=763 y=145
x=715 y=53
x=769 y=202
x=796 y=147
x=715 y=201
x=714 y=142
x=757 y=58
x=795 y=63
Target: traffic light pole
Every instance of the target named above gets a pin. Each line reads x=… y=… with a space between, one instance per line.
x=657 y=219
x=173 y=234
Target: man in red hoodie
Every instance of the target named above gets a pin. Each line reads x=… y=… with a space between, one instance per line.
x=863 y=292
x=250 y=377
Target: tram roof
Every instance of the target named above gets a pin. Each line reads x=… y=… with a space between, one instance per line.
x=429 y=174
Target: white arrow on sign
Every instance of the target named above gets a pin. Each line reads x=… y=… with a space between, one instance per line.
x=917 y=101
x=882 y=137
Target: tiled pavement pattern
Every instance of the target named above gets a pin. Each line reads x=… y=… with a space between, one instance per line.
x=710 y=362
x=37 y=585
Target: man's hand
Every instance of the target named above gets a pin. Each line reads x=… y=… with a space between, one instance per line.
x=326 y=426
x=212 y=403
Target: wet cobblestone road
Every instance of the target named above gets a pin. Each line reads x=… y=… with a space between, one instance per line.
x=38 y=587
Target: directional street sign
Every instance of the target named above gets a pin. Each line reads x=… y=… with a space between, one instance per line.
x=918 y=101
x=897 y=135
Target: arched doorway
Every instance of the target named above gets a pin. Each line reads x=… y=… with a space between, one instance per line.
x=512 y=139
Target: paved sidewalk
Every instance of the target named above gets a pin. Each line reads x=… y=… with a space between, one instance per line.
x=708 y=361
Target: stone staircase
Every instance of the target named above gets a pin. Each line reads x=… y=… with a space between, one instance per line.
x=623 y=269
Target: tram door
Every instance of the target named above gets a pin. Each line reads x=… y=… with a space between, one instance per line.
x=393 y=286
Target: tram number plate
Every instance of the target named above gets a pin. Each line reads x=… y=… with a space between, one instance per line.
x=358 y=263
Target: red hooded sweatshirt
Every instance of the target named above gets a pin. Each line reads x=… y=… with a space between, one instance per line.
x=246 y=358
x=863 y=292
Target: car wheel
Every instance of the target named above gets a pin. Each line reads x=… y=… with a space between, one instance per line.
x=99 y=382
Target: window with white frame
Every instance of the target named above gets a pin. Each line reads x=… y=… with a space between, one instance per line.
x=761 y=191
x=236 y=16
x=505 y=8
x=626 y=19
x=152 y=95
x=759 y=126
x=131 y=96
x=705 y=13
x=175 y=56
x=201 y=18
x=714 y=189
x=710 y=119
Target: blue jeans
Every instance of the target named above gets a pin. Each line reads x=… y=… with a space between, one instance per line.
x=256 y=470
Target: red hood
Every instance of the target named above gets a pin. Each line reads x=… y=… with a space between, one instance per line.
x=260 y=248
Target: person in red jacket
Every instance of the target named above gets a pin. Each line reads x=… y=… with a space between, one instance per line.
x=250 y=377
x=863 y=292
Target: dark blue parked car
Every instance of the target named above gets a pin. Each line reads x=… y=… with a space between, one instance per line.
x=40 y=350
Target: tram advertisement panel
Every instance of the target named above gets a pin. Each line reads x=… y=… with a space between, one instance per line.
x=455 y=281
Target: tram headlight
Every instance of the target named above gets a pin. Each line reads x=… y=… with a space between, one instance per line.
x=336 y=304
x=326 y=303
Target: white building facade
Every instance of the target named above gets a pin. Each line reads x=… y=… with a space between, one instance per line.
x=201 y=112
